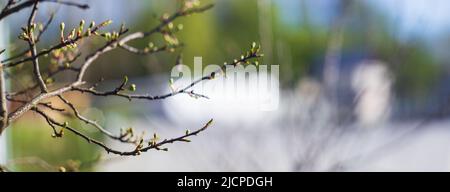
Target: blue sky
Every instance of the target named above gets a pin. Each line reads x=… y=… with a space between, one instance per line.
x=427 y=17
x=412 y=18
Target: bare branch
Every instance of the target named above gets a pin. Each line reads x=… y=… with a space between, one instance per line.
x=139 y=148
x=32 y=44
x=44 y=104
x=88 y=121
x=8 y=10
x=19 y=112
x=7 y=6
x=50 y=74
x=147 y=51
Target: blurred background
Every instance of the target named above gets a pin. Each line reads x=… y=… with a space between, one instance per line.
x=363 y=87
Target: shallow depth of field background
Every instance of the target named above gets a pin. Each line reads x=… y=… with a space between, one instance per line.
x=364 y=86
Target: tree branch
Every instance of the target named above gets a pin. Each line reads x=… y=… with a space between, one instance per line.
x=8 y=10
x=139 y=148
x=88 y=121
x=44 y=104
x=32 y=44
x=51 y=49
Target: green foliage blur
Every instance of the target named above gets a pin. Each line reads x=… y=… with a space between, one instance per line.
x=34 y=149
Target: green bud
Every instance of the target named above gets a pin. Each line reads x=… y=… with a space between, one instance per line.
x=41 y=27
x=72 y=34
x=23 y=36
x=62 y=26
x=150 y=45
x=170 y=39
x=132 y=87
x=180 y=27
x=62 y=169
x=115 y=35
x=125 y=79
x=106 y=23
x=82 y=23
x=92 y=25
x=72 y=46
x=130 y=131
x=209 y=123
x=33 y=27
x=80 y=28
x=107 y=36
x=49 y=80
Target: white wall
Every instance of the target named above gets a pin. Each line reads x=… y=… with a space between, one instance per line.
x=4 y=35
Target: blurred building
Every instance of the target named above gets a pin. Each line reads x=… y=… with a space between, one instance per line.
x=371 y=81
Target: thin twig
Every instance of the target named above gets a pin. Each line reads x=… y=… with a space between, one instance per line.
x=32 y=44
x=11 y=10
x=137 y=151
x=38 y=38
